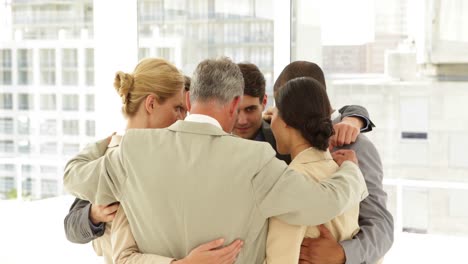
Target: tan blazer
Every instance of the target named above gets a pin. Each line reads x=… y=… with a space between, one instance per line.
x=124 y=247
x=284 y=240
x=117 y=244
x=102 y=245
x=192 y=183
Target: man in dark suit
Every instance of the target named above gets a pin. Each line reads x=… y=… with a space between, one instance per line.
x=250 y=124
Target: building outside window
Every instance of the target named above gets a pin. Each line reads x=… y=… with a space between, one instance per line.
x=90 y=105
x=48 y=102
x=25 y=64
x=48 y=148
x=25 y=102
x=24 y=125
x=6 y=101
x=6 y=125
x=89 y=66
x=70 y=67
x=71 y=127
x=70 y=102
x=7 y=146
x=5 y=67
x=48 y=127
x=48 y=69
x=90 y=128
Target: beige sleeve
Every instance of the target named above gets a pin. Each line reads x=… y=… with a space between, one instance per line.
x=283 y=242
x=96 y=175
x=124 y=246
x=296 y=200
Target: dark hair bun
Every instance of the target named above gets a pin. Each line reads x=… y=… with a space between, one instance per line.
x=318 y=132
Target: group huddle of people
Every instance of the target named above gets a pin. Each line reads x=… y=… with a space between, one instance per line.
x=232 y=181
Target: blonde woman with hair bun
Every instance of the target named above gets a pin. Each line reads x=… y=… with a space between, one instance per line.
x=153 y=96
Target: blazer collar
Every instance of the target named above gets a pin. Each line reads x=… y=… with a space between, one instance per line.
x=312 y=155
x=197 y=128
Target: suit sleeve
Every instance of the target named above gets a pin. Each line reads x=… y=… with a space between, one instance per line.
x=376 y=223
x=124 y=246
x=77 y=225
x=95 y=175
x=292 y=198
x=358 y=111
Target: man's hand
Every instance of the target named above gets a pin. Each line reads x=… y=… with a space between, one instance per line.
x=322 y=250
x=268 y=114
x=346 y=131
x=210 y=253
x=343 y=155
x=103 y=213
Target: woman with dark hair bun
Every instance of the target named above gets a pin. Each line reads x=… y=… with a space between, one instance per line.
x=302 y=128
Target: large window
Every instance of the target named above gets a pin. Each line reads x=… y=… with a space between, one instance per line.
x=186 y=32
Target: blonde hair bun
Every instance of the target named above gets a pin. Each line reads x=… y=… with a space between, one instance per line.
x=123 y=84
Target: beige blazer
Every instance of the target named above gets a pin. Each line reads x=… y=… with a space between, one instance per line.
x=284 y=240
x=117 y=244
x=124 y=247
x=102 y=245
x=192 y=183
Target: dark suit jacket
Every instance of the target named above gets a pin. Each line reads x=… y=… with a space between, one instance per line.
x=268 y=135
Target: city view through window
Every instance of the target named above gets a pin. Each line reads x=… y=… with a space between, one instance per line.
x=405 y=61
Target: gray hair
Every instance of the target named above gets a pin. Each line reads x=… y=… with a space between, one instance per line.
x=216 y=79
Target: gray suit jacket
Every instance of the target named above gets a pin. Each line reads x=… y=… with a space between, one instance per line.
x=376 y=223
x=77 y=224
x=192 y=183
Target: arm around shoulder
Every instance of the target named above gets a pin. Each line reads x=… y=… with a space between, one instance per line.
x=295 y=199
x=124 y=246
x=358 y=112
x=95 y=175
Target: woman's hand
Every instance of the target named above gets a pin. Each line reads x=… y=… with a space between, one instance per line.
x=343 y=155
x=211 y=253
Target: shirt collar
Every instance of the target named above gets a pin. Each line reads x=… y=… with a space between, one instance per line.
x=203 y=119
x=312 y=155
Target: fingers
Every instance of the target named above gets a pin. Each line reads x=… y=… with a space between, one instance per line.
x=109 y=139
x=345 y=134
x=111 y=208
x=229 y=253
x=210 y=245
x=109 y=217
x=324 y=232
x=340 y=139
x=342 y=155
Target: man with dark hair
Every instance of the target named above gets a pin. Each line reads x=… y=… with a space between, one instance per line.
x=250 y=124
x=376 y=223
